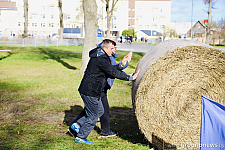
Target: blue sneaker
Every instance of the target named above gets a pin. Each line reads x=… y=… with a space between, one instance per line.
x=74 y=129
x=79 y=140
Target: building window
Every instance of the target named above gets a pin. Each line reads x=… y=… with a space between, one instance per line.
x=34 y=16
x=162 y=18
x=67 y=16
x=154 y=18
x=140 y=26
x=129 y=17
x=155 y=10
x=51 y=24
x=42 y=24
x=19 y=24
x=43 y=16
x=133 y=9
x=43 y=7
x=68 y=25
x=129 y=9
x=133 y=25
x=52 y=16
x=155 y=26
x=161 y=26
x=34 y=24
x=35 y=33
x=147 y=26
x=128 y=25
x=132 y=17
x=51 y=7
x=0 y=33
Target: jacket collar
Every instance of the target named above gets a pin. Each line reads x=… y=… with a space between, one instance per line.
x=96 y=52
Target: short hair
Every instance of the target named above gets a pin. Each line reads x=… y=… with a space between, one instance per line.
x=105 y=43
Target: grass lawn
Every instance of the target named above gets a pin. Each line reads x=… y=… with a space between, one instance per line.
x=39 y=100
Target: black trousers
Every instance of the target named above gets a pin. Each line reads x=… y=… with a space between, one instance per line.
x=104 y=119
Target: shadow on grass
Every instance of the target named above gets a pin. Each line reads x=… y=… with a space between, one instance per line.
x=122 y=120
x=71 y=114
x=57 y=57
x=9 y=54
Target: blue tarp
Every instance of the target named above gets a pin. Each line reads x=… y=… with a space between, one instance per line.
x=212 y=125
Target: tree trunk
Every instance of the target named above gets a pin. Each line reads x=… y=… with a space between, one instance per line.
x=209 y=23
x=25 y=18
x=91 y=26
x=61 y=20
x=109 y=13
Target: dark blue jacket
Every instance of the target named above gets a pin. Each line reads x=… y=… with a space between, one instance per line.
x=99 y=68
x=109 y=80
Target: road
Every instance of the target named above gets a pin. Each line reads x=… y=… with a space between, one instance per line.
x=143 y=48
x=135 y=47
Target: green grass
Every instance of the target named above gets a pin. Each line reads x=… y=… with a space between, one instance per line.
x=151 y=44
x=39 y=100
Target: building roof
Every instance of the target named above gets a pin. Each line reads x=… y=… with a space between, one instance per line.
x=148 y=32
x=151 y=32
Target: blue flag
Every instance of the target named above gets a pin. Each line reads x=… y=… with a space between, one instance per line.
x=212 y=125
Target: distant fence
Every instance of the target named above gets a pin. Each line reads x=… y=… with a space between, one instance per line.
x=43 y=42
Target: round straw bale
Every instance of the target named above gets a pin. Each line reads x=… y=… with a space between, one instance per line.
x=167 y=93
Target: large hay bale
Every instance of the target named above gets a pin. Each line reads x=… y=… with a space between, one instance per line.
x=167 y=93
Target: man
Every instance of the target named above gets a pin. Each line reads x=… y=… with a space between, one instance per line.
x=99 y=68
x=104 y=119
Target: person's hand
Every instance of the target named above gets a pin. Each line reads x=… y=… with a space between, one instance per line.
x=136 y=74
x=129 y=56
x=126 y=58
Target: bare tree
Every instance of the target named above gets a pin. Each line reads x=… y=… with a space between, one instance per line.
x=209 y=20
x=91 y=26
x=109 y=12
x=25 y=3
x=61 y=19
x=221 y=24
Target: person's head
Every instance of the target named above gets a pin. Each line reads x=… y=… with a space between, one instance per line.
x=108 y=46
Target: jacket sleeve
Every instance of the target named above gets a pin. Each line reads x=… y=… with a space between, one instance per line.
x=112 y=70
x=124 y=67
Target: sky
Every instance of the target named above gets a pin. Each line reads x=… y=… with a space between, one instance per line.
x=181 y=10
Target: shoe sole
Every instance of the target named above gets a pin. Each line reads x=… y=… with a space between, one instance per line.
x=107 y=136
x=83 y=142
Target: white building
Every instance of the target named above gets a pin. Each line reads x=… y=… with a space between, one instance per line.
x=152 y=15
x=8 y=17
x=181 y=28
x=43 y=16
x=119 y=21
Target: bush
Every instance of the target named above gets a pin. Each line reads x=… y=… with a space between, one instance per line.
x=128 y=32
